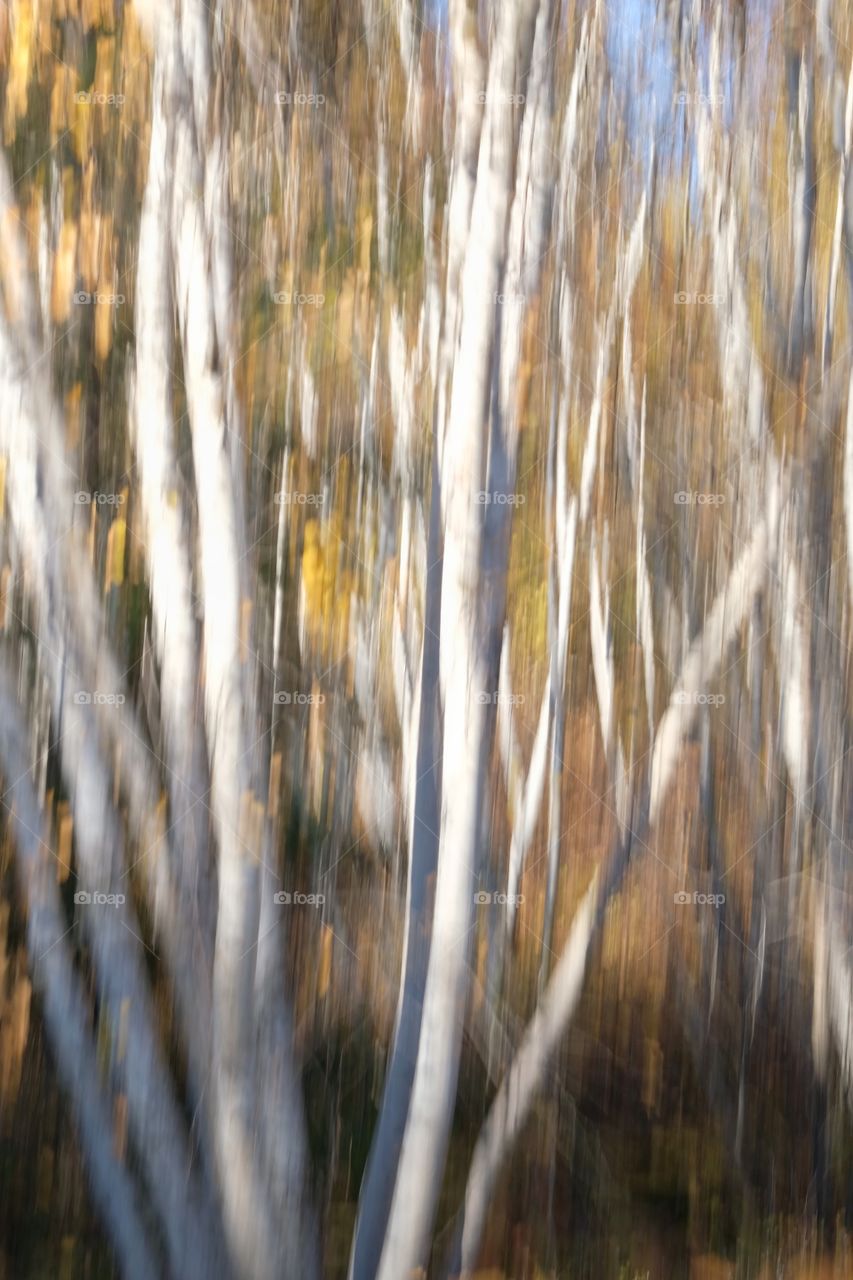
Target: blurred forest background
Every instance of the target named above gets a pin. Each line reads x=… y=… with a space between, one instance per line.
x=426 y=603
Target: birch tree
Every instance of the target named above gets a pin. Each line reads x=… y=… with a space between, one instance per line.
x=426 y=472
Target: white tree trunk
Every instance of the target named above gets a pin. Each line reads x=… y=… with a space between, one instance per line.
x=466 y=673
x=64 y=1004
x=559 y=1002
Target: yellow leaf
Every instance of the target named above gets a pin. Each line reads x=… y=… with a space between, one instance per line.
x=136 y=39
x=81 y=129
x=19 y=67
x=107 y=10
x=104 y=321
x=90 y=226
x=64 y=273
x=64 y=80
x=116 y=544
x=90 y=12
x=106 y=48
x=72 y=414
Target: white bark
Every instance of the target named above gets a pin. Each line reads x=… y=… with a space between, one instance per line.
x=465 y=673
x=525 y=1077
x=154 y=1117
x=840 y=997
x=802 y=216
x=168 y=565
x=526 y=247
x=793 y=669
x=410 y=56
x=644 y=587
x=424 y=786
x=245 y=1206
x=602 y=658
x=573 y=137
x=835 y=258
x=65 y=1008
x=591 y=451
x=559 y=1002
x=68 y=577
x=848 y=492
x=469 y=83
x=705 y=654
x=743 y=381
x=567 y=513
x=246 y=953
